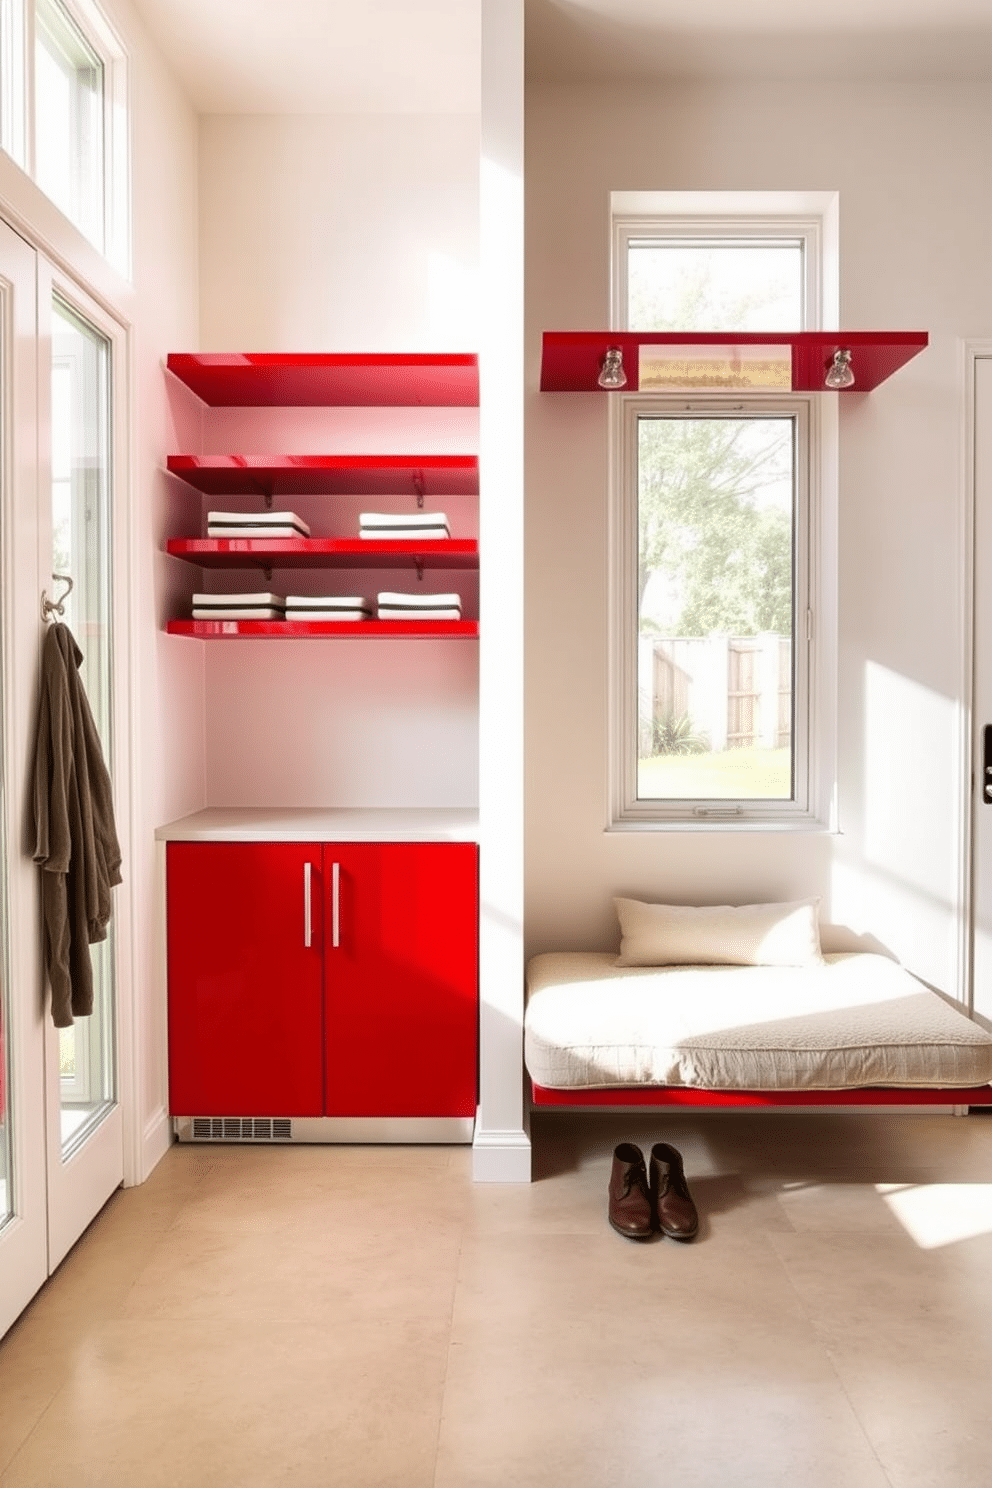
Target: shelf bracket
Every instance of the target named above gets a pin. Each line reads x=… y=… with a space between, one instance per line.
x=418 y=486
x=263 y=491
x=420 y=569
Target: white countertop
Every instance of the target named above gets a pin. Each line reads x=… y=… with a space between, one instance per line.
x=331 y=824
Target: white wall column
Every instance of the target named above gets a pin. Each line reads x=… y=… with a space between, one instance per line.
x=502 y=1144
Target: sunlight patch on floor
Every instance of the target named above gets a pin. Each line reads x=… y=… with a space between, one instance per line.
x=936 y=1214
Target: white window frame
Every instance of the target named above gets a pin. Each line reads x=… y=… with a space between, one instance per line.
x=13 y=103
x=17 y=116
x=813 y=804
x=732 y=227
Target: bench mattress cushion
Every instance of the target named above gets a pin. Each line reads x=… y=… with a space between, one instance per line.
x=858 y=1020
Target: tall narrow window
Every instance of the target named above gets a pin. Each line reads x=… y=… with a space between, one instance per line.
x=69 y=118
x=12 y=78
x=713 y=529
x=79 y=129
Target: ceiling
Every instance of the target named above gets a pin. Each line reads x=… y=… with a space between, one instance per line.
x=848 y=39
x=320 y=56
x=422 y=56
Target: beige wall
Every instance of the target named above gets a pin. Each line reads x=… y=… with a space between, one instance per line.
x=915 y=218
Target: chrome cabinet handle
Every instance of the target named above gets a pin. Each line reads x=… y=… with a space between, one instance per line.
x=307 y=923
x=335 y=905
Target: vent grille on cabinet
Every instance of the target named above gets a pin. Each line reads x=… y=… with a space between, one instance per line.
x=242 y=1128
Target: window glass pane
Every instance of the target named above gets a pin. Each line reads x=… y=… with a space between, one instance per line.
x=81 y=549
x=716 y=522
x=6 y=1145
x=69 y=97
x=6 y=1185
x=6 y=1134
x=12 y=78
x=714 y=285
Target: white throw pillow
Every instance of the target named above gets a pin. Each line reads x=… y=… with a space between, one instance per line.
x=719 y=935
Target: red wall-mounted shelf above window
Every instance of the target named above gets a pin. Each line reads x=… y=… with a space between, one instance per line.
x=329 y=475
x=571 y=360
x=314 y=380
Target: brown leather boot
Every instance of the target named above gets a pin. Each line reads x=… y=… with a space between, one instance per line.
x=670 y=1198
x=630 y=1201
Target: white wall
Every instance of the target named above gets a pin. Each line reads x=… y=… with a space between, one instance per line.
x=502 y=1143
x=167 y=680
x=915 y=218
x=339 y=233
x=343 y=233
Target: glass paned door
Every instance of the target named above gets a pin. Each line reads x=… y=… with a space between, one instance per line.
x=80 y=422
x=61 y=438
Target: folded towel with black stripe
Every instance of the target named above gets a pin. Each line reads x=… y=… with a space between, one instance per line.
x=326 y=614
x=427 y=526
x=263 y=606
x=257 y=532
x=418 y=614
x=392 y=599
x=392 y=605
x=405 y=534
x=328 y=601
x=328 y=607
x=256 y=524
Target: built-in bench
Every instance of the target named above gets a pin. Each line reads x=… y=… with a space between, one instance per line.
x=845 y=1029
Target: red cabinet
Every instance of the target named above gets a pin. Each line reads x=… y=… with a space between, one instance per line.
x=401 y=974
x=245 y=990
x=336 y=979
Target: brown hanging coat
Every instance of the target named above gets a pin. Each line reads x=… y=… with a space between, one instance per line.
x=76 y=843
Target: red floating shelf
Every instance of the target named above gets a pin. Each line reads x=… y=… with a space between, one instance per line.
x=311 y=379
x=229 y=630
x=313 y=475
x=571 y=360
x=323 y=552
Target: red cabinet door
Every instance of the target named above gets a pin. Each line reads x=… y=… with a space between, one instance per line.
x=245 y=990
x=401 y=978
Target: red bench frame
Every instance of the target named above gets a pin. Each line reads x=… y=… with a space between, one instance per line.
x=685 y=1095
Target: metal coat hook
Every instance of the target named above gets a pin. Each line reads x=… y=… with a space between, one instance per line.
x=50 y=607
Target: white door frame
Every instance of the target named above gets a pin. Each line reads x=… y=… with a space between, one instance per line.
x=24 y=1240
x=28 y=212
x=22 y=635
x=973 y=351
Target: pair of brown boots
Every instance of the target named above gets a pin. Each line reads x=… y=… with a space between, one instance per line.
x=639 y=1206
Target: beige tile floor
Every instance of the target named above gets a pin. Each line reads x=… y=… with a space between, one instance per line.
x=338 y=1317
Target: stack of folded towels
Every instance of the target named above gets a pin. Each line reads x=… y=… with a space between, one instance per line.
x=239 y=607
x=422 y=525
x=327 y=607
x=256 y=524
x=393 y=606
